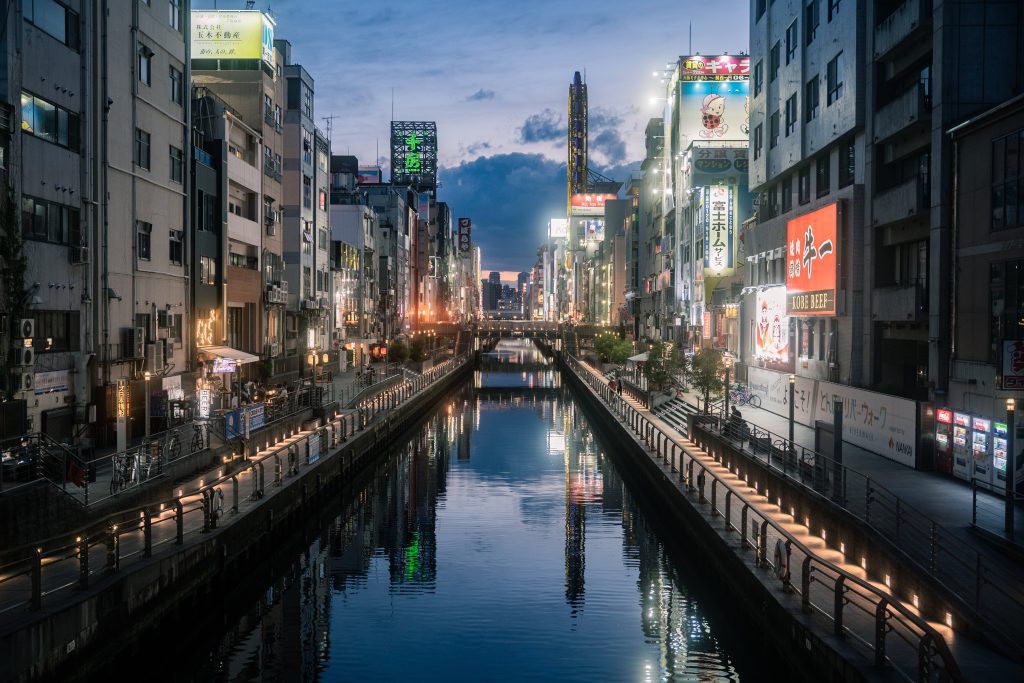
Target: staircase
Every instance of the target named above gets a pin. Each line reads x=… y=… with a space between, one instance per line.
x=675 y=412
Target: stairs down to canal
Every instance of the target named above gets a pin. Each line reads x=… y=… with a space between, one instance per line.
x=815 y=594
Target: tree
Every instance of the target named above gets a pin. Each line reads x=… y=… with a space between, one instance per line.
x=398 y=352
x=13 y=265
x=706 y=373
x=612 y=349
x=418 y=349
x=663 y=362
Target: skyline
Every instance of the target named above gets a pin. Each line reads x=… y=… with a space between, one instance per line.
x=495 y=79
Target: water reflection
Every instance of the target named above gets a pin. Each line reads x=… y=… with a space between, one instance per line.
x=499 y=543
x=516 y=363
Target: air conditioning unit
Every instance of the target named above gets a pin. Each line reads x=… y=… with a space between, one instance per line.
x=323 y=301
x=270 y=349
x=284 y=286
x=25 y=328
x=305 y=304
x=134 y=342
x=23 y=381
x=155 y=357
x=78 y=255
x=24 y=355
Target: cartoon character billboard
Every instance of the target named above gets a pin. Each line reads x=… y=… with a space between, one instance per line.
x=811 y=262
x=713 y=110
x=771 y=330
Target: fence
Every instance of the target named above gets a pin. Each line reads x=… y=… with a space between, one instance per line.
x=854 y=608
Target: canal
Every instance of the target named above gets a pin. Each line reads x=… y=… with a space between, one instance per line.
x=497 y=541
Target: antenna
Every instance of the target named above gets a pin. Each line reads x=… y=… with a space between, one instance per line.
x=691 y=38
x=330 y=126
x=392 y=103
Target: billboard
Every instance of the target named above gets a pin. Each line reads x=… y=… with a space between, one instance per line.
x=589 y=229
x=558 y=228
x=771 y=328
x=370 y=175
x=811 y=262
x=465 y=235
x=589 y=204
x=714 y=68
x=1013 y=364
x=710 y=165
x=719 y=230
x=414 y=154
x=233 y=34
x=714 y=110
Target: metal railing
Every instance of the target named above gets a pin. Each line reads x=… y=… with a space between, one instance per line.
x=28 y=458
x=71 y=561
x=827 y=591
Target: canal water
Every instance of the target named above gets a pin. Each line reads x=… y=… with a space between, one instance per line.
x=499 y=542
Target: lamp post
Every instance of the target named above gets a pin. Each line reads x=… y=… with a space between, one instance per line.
x=792 y=392
x=314 y=360
x=1010 y=465
x=728 y=365
x=146 y=375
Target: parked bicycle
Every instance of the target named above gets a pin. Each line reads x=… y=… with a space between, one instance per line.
x=198 y=436
x=121 y=472
x=740 y=394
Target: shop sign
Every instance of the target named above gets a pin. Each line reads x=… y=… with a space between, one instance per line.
x=771 y=331
x=718 y=230
x=124 y=398
x=1013 y=364
x=707 y=325
x=714 y=68
x=414 y=154
x=223 y=366
x=558 y=228
x=589 y=204
x=811 y=262
x=204 y=404
x=465 y=235
x=234 y=34
x=49 y=382
x=944 y=416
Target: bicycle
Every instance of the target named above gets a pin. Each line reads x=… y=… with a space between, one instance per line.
x=120 y=472
x=198 y=440
x=742 y=396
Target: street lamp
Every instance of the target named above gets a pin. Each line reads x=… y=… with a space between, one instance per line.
x=728 y=365
x=792 y=391
x=314 y=360
x=146 y=375
x=1010 y=465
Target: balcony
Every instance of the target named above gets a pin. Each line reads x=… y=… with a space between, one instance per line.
x=243 y=173
x=900 y=203
x=910 y=109
x=907 y=303
x=244 y=230
x=898 y=26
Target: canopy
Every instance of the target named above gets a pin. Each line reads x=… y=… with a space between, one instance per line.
x=240 y=357
x=639 y=358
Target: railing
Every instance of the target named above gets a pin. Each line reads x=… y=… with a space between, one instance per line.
x=826 y=591
x=36 y=456
x=71 y=561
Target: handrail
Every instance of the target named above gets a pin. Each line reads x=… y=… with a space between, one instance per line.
x=929 y=641
x=108 y=531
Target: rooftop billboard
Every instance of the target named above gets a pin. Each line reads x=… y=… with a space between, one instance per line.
x=232 y=34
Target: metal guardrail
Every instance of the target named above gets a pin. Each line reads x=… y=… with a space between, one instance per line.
x=826 y=590
x=67 y=562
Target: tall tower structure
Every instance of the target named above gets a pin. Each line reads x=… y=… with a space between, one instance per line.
x=577 y=168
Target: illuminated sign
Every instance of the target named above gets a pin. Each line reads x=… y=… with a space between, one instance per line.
x=961 y=420
x=558 y=228
x=1013 y=364
x=370 y=175
x=714 y=68
x=465 y=235
x=811 y=262
x=223 y=366
x=719 y=229
x=204 y=403
x=589 y=204
x=593 y=230
x=237 y=34
x=414 y=154
x=124 y=398
x=206 y=328
x=981 y=425
x=707 y=325
x=714 y=111
x=771 y=329
x=944 y=416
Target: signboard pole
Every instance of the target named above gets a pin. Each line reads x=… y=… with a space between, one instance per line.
x=1010 y=466
x=837 y=449
x=122 y=434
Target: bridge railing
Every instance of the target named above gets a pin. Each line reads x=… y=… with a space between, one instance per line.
x=826 y=590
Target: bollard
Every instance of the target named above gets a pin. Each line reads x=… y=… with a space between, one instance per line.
x=728 y=508
x=743 y=525
x=261 y=479
x=207 y=504
x=113 y=550
x=764 y=543
x=714 y=496
x=147 y=531
x=83 y=562
x=179 y=519
x=234 y=489
x=278 y=469
x=37 y=579
x=805 y=585
x=838 y=600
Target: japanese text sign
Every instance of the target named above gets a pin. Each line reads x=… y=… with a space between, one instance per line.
x=719 y=229
x=811 y=262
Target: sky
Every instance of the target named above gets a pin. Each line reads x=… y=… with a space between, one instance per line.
x=494 y=75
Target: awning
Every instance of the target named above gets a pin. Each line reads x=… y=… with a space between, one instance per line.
x=639 y=358
x=240 y=357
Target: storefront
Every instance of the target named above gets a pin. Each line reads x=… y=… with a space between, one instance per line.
x=220 y=378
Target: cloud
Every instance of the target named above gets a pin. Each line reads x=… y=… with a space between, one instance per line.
x=609 y=143
x=481 y=95
x=599 y=119
x=474 y=149
x=543 y=127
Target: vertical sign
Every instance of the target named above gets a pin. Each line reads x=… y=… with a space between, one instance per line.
x=707 y=325
x=718 y=230
x=465 y=231
x=204 y=404
x=811 y=262
x=414 y=154
x=124 y=402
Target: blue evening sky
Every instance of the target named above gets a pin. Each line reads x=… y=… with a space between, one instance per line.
x=494 y=75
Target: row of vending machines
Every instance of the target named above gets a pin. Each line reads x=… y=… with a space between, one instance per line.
x=971 y=447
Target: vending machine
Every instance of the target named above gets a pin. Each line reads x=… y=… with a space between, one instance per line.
x=981 y=445
x=944 y=441
x=999 y=444
x=962 y=459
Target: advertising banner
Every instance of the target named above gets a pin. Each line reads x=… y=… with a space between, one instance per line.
x=714 y=68
x=465 y=235
x=237 y=34
x=589 y=204
x=771 y=331
x=558 y=228
x=773 y=390
x=414 y=154
x=714 y=111
x=590 y=229
x=234 y=421
x=1013 y=364
x=711 y=165
x=370 y=175
x=718 y=230
x=47 y=382
x=811 y=262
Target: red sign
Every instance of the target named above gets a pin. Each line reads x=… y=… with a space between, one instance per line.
x=590 y=201
x=944 y=416
x=707 y=325
x=714 y=68
x=811 y=262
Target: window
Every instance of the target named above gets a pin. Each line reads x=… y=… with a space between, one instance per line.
x=176 y=164
x=790 y=115
x=791 y=42
x=53 y=18
x=145 y=65
x=143 y=230
x=49 y=122
x=174 y=14
x=207 y=270
x=307 y=281
x=758 y=77
x=176 y=249
x=811 y=21
x=761 y=6
x=822 y=175
x=1007 y=175
x=307 y=147
x=141 y=148
x=833 y=8
x=46 y=221
x=787 y=193
x=758 y=140
x=773 y=63
x=205 y=211
x=175 y=76
x=773 y=131
x=804 y=185
x=834 y=78
x=56 y=331
x=323 y=238
x=811 y=99
x=307 y=192
x=322 y=200
x=307 y=102
x=847 y=162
